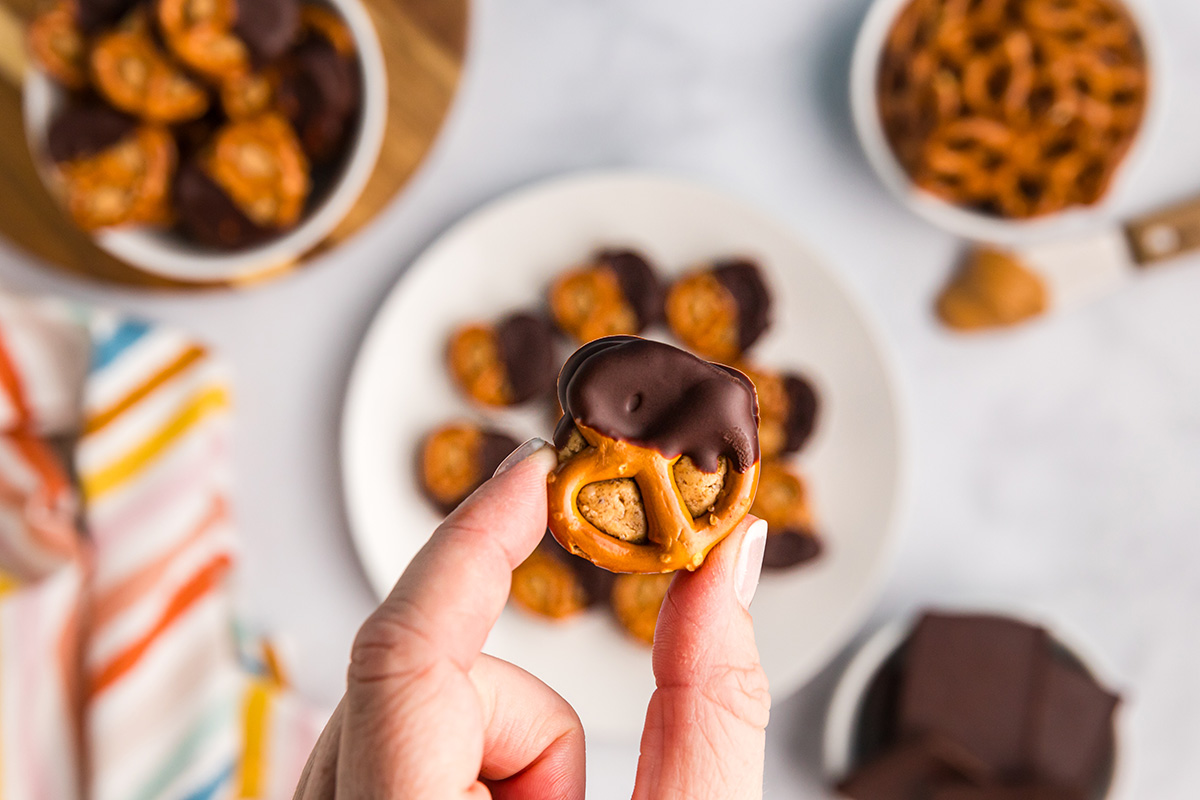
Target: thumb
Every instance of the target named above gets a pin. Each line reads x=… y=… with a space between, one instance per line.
x=705 y=726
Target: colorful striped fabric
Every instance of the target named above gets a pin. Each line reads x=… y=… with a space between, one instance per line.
x=122 y=674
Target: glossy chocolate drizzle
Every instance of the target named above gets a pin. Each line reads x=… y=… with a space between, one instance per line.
x=659 y=397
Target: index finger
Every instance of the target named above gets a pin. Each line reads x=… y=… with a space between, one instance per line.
x=453 y=591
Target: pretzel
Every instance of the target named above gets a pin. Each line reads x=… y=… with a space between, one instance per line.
x=641 y=505
x=260 y=165
x=456 y=459
x=59 y=46
x=720 y=311
x=247 y=95
x=126 y=183
x=200 y=34
x=617 y=293
x=782 y=502
x=503 y=364
x=637 y=601
x=555 y=584
x=1015 y=109
x=134 y=76
x=787 y=405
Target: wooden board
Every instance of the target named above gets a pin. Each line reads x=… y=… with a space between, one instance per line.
x=424 y=43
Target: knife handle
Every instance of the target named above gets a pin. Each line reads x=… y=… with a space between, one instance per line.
x=1165 y=234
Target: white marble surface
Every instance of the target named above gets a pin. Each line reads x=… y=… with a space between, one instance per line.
x=1056 y=467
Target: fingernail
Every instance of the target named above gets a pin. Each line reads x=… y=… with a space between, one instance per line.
x=520 y=454
x=748 y=566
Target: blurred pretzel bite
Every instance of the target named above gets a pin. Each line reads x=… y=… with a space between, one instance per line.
x=782 y=502
x=59 y=46
x=113 y=170
x=993 y=289
x=788 y=406
x=658 y=455
x=636 y=601
x=720 y=311
x=456 y=459
x=506 y=363
x=554 y=584
x=318 y=87
x=136 y=77
x=617 y=292
x=225 y=39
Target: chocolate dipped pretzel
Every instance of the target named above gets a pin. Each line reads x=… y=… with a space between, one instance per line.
x=658 y=455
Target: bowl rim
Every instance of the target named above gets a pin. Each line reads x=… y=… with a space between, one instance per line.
x=157 y=253
x=841 y=716
x=973 y=225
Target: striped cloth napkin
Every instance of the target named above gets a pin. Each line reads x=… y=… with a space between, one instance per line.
x=122 y=673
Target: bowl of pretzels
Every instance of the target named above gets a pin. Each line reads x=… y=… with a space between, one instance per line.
x=205 y=140
x=1002 y=120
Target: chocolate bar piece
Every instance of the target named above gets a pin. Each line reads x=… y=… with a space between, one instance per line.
x=1072 y=728
x=911 y=770
x=972 y=679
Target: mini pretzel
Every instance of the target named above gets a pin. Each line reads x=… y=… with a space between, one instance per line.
x=554 y=584
x=200 y=34
x=58 y=44
x=782 y=502
x=1016 y=109
x=126 y=183
x=788 y=407
x=637 y=601
x=617 y=293
x=625 y=385
x=135 y=77
x=720 y=311
x=260 y=164
x=456 y=459
x=503 y=364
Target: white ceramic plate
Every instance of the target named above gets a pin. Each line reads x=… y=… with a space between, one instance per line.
x=501 y=258
x=864 y=71
x=168 y=254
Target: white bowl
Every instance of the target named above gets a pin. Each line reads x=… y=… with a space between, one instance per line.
x=864 y=71
x=842 y=717
x=169 y=254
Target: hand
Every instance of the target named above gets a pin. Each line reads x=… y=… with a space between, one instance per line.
x=426 y=715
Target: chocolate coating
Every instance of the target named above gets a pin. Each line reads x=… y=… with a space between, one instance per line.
x=801 y=420
x=268 y=27
x=790 y=547
x=742 y=279
x=96 y=14
x=660 y=397
x=526 y=344
x=209 y=215
x=641 y=287
x=85 y=129
x=319 y=93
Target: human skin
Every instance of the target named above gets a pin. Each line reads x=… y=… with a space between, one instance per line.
x=426 y=715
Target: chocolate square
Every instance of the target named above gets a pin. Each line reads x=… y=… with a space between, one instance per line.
x=911 y=770
x=972 y=679
x=1072 y=732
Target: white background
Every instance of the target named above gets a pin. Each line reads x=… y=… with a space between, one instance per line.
x=1057 y=467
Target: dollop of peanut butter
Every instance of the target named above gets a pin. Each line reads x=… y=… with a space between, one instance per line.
x=992 y=290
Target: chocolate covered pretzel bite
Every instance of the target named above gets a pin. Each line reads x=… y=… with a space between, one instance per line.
x=782 y=502
x=615 y=293
x=720 y=311
x=788 y=406
x=658 y=455
x=553 y=583
x=505 y=363
x=456 y=459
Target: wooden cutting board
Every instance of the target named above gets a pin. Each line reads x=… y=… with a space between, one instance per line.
x=424 y=43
